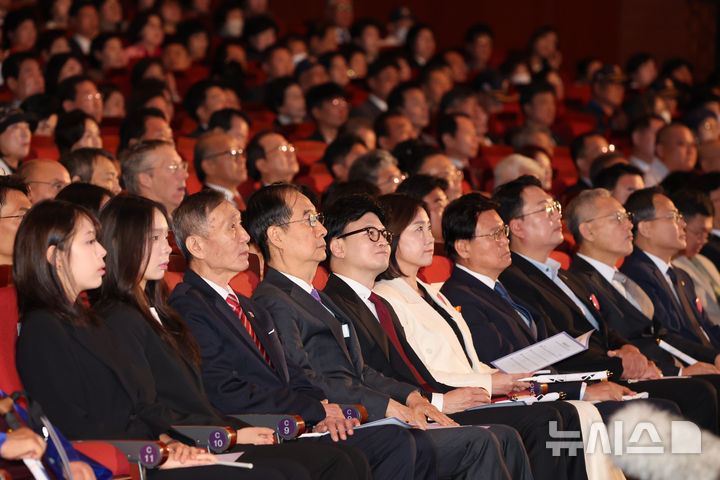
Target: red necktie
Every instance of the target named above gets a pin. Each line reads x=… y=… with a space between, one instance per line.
x=235 y=305
x=387 y=325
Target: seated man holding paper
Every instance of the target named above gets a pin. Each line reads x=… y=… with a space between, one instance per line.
x=603 y=232
x=320 y=339
x=476 y=239
x=565 y=304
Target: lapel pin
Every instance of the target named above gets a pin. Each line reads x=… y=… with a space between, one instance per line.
x=251 y=314
x=594 y=301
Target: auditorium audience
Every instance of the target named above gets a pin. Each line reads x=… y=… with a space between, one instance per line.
x=166 y=98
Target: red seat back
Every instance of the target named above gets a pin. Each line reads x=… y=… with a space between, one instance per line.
x=438 y=271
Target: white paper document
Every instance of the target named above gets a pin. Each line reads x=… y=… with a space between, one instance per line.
x=541 y=354
x=567 y=377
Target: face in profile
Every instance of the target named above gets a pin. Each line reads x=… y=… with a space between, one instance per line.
x=80 y=266
x=158 y=249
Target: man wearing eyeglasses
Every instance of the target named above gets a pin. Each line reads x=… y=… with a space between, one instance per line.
x=564 y=303
x=659 y=235
x=270 y=158
x=320 y=338
x=153 y=169
x=603 y=232
x=44 y=178
x=220 y=165
x=13 y=206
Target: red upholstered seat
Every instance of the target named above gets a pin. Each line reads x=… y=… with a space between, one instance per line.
x=438 y=271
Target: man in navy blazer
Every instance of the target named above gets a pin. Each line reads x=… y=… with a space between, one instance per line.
x=566 y=304
x=603 y=234
x=659 y=234
x=320 y=338
x=238 y=376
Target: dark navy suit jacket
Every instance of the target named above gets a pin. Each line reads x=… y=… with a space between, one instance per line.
x=668 y=311
x=496 y=327
x=236 y=377
x=628 y=321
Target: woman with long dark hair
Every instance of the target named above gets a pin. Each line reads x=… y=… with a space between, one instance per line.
x=92 y=382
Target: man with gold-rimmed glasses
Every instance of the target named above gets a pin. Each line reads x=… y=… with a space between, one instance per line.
x=603 y=232
x=220 y=164
x=567 y=304
x=660 y=233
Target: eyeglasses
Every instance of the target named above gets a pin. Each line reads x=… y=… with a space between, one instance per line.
x=173 y=167
x=235 y=154
x=619 y=216
x=675 y=216
x=550 y=209
x=93 y=96
x=396 y=179
x=57 y=186
x=286 y=148
x=372 y=233
x=498 y=234
x=313 y=219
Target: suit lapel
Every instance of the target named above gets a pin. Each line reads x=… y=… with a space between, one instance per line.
x=357 y=307
x=311 y=306
x=497 y=301
x=227 y=315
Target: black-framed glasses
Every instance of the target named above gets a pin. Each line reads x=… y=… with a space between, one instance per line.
x=550 y=209
x=372 y=233
x=313 y=219
x=498 y=234
x=675 y=216
x=619 y=216
x=234 y=154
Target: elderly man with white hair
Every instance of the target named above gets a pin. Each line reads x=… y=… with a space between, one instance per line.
x=515 y=166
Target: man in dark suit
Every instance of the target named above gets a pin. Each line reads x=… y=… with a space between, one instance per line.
x=220 y=164
x=320 y=338
x=603 y=232
x=358 y=250
x=244 y=367
x=660 y=234
x=566 y=304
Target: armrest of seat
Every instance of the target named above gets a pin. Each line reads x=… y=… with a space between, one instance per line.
x=216 y=439
x=4 y=475
x=355 y=410
x=147 y=453
x=286 y=426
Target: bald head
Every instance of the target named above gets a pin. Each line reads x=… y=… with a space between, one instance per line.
x=675 y=146
x=44 y=178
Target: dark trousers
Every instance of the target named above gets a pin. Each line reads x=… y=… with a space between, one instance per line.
x=697 y=397
x=533 y=424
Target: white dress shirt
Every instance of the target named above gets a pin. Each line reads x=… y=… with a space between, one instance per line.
x=364 y=293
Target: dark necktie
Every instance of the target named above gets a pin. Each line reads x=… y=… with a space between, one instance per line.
x=687 y=308
x=387 y=324
x=519 y=309
x=235 y=305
